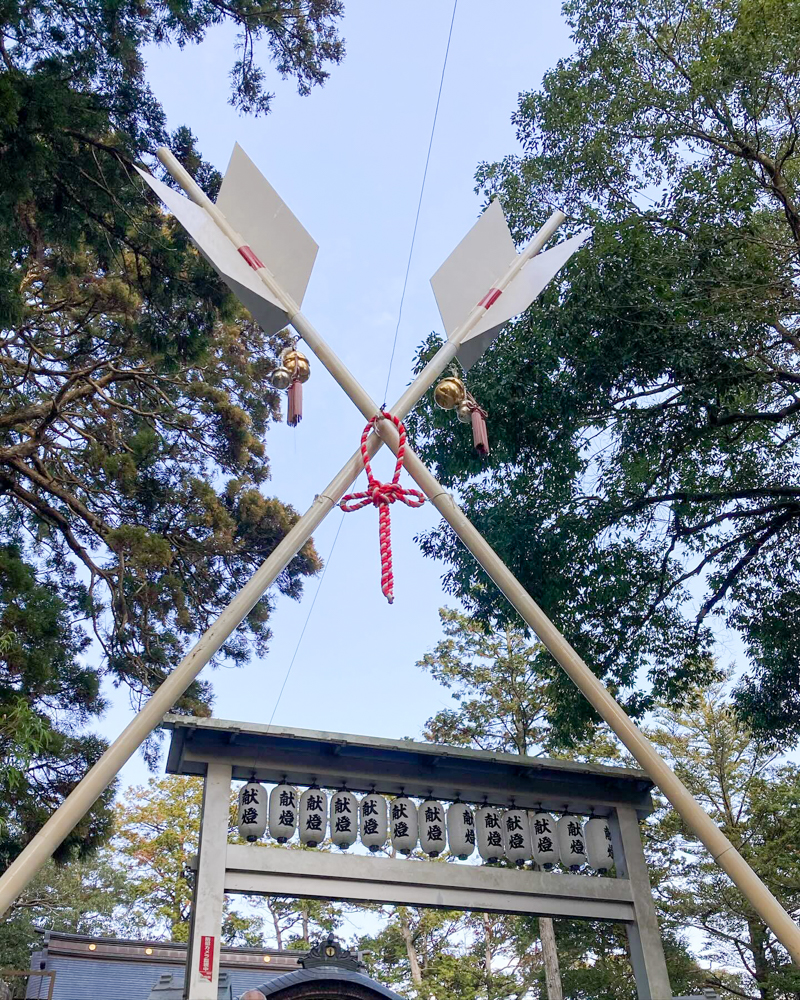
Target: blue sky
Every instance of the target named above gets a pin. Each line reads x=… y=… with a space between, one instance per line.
x=348 y=159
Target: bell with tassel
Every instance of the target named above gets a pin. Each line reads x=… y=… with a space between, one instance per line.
x=292 y=372
x=452 y=394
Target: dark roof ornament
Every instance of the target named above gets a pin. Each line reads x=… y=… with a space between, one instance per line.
x=328 y=952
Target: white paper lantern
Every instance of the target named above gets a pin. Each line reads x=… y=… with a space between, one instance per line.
x=571 y=844
x=282 y=812
x=404 y=827
x=344 y=818
x=489 y=826
x=374 y=821
x=598 y=844
x=461 y=830
x=544 y=841
x=517 y=831
x=313 y=816
x=252 y=817
x=432 y=829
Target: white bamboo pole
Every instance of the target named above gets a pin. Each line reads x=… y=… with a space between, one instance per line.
x=721 y=849
x=91 y=786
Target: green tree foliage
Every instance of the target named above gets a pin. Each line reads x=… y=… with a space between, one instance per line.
x=754 y=798
x=46 y=698
x=424 y=953
x=504 y=696
x=157 y=831
x=134 y=392
x=644 y=480
x=503 y=687
x=83 y=897
x=299 y=923
x=502 y=699
x=595 y=964
x=141 y=884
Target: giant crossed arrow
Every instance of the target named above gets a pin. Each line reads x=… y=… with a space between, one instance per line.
x=480 y=286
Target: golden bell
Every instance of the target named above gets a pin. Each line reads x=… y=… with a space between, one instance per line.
x=297 y=364
x=281 y=378
x=450 y=392
x=464 y=412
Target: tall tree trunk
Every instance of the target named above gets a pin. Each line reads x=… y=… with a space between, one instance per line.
x=304 y=911
x=552 y=973
x=411 y=951
x=276 y=925
x=761 y=965
x=487 y=952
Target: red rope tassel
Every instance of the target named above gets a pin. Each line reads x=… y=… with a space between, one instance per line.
x=381 y=495
x=480 y=437
x=295 y=411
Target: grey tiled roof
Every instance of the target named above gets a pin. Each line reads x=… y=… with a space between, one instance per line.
x=279 y=983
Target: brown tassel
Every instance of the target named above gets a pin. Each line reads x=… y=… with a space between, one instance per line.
x=295 y=411
x=480 y=437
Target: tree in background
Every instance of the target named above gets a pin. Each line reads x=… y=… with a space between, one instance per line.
x=299 y=923
x=134 y=392
x=753 y=797
x=141 y=885
x=504 y=703
x=157 y=831
x=495 y=679
x=88 y=896
x=644 y=412
x=47 y=696
x=425 y=953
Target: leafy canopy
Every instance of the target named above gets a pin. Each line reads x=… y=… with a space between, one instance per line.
x=157 y=832
x=43 y=751
x=505 y=702
x=89 y=896
x=499 y=682
x=134 y=391
x=752 y=795
x=644 y=481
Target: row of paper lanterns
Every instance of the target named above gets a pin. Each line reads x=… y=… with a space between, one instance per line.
x=516 y=834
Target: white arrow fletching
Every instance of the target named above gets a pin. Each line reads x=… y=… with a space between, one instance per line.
x=255 y=209
x=221 y=254
x=535 y=275
x=472 y=349
x=479 y=260
x=472 y=271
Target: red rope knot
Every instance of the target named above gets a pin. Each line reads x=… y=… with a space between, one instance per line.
x=382 y=496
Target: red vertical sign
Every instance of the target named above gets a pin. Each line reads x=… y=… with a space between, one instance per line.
x=206 y=963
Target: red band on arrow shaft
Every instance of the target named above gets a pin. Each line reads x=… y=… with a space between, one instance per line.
x=489 y=298
x=251 y=258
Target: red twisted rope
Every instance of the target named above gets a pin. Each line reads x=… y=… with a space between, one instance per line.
x=381 y=495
